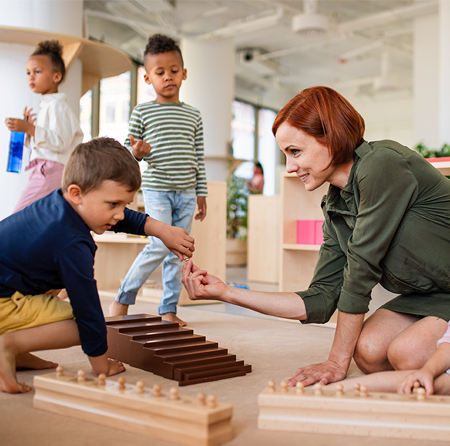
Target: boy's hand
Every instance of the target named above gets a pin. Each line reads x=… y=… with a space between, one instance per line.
x=141 y=148
x=115 y=367
x=201 y=204
x=178 y=241
x=423 y=376
x=101 y=364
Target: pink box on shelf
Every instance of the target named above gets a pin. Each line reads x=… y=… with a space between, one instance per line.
x=309 y=232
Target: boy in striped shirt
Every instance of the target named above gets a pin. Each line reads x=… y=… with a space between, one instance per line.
x=168 y=135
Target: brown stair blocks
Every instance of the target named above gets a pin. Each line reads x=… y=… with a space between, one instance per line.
x=166 y=349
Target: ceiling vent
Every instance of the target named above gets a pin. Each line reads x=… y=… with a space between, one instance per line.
x=310 y=23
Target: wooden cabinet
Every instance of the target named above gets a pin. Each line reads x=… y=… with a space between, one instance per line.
x=263 y=238
x=297 y=262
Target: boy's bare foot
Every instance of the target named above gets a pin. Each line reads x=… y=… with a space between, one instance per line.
x=29 y=361
x=118 y=309
x=172 y=317
x=8 y=380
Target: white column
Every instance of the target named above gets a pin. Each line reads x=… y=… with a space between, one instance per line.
x=210 y=88
x=426 y=80
x=444 y=72
x=50 y=15
x=431 y=78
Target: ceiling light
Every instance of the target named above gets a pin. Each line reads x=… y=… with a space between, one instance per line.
x=310 y=23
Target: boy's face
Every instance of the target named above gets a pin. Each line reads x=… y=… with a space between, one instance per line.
x=103 y=207
x=165 y=71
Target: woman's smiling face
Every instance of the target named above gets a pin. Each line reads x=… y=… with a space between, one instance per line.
x=305 y=157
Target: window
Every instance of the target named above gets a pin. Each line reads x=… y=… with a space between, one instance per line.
x=86 y=115
x=250 y=120
x=145 y=92
x=114 y=93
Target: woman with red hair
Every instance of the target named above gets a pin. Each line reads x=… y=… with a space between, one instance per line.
x=387 y=221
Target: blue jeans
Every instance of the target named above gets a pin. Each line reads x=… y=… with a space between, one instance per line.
x=176 y=208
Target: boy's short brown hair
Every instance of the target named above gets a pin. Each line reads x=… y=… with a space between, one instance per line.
x=99 y=160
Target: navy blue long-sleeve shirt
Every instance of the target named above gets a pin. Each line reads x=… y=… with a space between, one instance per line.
x=48 y=246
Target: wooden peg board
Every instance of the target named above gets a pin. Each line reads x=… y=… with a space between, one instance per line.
x=374 y=415
x=185 y=420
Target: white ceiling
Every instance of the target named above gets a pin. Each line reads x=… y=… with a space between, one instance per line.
x=368 y=45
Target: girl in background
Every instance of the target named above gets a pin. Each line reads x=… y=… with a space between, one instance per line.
x=55 y=132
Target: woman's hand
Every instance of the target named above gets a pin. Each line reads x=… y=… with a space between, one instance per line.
x=201 y=285
x=324 y=373
x=141 y=148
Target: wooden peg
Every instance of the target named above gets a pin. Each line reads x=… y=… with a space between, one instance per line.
x=202 y=398
x=284 y=386
x=415 y=387
x=156 y=390
x=173 y=394
x=421 y=394
x=339 y=390
x=140 y=388
x=59 y=371
x=363 y=391
x=211 y=401
x=81 y=376
x=102 y=380
x=357 y=386
x=300 y=388
x=318 y=389
x=271 y=385
x=121 y=382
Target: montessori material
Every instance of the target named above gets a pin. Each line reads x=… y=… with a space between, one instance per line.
x=166 y=349
x=186 y=420
x=358 y=412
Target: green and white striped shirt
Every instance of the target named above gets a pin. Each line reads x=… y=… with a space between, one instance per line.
x=175 y=134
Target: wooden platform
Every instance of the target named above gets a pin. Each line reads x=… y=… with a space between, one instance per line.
x=168 y=416
x=164 y=348
x=358 y=413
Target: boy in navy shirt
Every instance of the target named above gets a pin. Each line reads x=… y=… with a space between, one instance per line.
x=48 y=246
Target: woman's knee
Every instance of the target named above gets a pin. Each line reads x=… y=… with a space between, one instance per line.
x=370 y=356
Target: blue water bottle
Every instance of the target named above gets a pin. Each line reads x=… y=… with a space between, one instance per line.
x=15 y=152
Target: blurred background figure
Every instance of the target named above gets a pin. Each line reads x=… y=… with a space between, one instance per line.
x=256 y=185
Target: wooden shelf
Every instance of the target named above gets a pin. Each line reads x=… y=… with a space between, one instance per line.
x=298 y=247
x=99 y=60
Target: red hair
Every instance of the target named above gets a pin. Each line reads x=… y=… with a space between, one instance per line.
x=324 y=114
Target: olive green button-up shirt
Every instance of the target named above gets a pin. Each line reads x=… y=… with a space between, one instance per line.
x=389 y=225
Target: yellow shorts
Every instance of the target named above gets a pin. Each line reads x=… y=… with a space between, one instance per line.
x=19 y=311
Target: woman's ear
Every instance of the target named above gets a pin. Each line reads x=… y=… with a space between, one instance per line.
x=75 y=194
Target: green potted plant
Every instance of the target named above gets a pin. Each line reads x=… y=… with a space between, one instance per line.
x=444 y=151
x=237 y=216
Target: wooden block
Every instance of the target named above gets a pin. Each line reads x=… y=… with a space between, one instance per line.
x=358 y=413
x=181 y=419
x=162 y=347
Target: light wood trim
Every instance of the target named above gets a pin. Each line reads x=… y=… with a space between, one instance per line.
x=99 y=60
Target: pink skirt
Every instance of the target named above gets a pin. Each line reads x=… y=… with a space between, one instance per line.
x=45 y=178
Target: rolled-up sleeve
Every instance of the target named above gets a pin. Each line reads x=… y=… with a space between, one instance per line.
x=323 y=294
